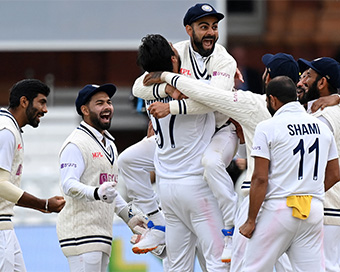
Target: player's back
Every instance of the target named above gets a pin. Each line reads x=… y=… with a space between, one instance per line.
x=299 y=146
x=181 y=141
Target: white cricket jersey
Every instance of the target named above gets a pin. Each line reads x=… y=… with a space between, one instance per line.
x=7 y=147
x=332 y=202
x=298 y=146
x=10 y=150
x=181 y=141
x=218 y=70
x=82 y=225
x=247 y=108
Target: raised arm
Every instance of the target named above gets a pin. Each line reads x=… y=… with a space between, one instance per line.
x=239 y=105
x=148 y=92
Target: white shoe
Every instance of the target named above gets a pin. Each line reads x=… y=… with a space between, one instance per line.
x=150 y=240
x=228 y=242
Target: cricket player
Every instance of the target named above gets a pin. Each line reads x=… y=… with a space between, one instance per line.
x=27 y=104
x=88 y=175
x=203 y=59
x=296 y=161
x=193 y=218
x=247 y=108
x=322 y=79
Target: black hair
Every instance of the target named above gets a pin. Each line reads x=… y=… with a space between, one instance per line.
x=154 y=54
x=283 y=88
x=30 y=88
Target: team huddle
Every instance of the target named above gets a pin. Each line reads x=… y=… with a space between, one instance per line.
x=288 y=218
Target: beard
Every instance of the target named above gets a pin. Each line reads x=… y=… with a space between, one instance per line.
x=97 y=123
x=32 y=114
x=312 y=93
x=270 y=108
x=199 y=44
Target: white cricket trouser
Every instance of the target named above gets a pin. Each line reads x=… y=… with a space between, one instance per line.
x=277 y=231
x=11 y=259
x=89 y=262
x=192 y=214
x=240 y=243
x=216 y=159
x=135 y=164
x=331 y=242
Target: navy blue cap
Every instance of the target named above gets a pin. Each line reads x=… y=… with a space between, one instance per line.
x=281 y=64
x=86 y=93
x=325 y=67
x=200 y=10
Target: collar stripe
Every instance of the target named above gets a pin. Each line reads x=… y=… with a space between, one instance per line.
x=108 y=155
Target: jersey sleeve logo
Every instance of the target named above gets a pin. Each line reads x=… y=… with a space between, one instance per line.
x=217 y=73
x=64 y=165
x=19 y=170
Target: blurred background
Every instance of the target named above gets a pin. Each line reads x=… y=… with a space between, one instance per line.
x=68 y=44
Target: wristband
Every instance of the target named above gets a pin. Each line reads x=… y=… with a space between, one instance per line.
x=46 y=205
x=95 y=194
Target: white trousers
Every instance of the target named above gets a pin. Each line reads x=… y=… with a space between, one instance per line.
x=240 y=243
x=192 y=215
x=11 y=259
x=277 y=232
x=331 y=241
x=95 y=261
x=216 y=159
x=135 y=164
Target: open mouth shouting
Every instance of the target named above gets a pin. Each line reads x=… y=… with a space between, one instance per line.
x=208 y=42
x=106 y=116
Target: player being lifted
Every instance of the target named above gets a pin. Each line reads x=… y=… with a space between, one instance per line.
x=203 y=59
x=193 y=218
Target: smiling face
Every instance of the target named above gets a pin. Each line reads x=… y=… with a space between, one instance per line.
x=36 y=109
x=203 y=35
x=310 y=83
x=98 y=112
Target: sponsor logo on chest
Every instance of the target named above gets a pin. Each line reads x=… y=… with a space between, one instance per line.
x=96 y=155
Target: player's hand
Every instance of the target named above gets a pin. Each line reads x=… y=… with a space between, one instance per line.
x=55 y=204
x=159 y=109
x=247 y=228
x=152 y=78
x=238 y=76
x=170 y=90
x=325 y=101
x=150 y=131
x=138 y=223
x=239 y=130
x=107 y=192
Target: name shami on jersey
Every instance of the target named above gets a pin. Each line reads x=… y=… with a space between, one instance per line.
x=303 y=129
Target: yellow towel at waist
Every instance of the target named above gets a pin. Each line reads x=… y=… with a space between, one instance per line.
x=300 y=205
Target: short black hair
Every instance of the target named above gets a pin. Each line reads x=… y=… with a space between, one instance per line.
x=30 y=88
x=283 y=88
x=154 y=54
